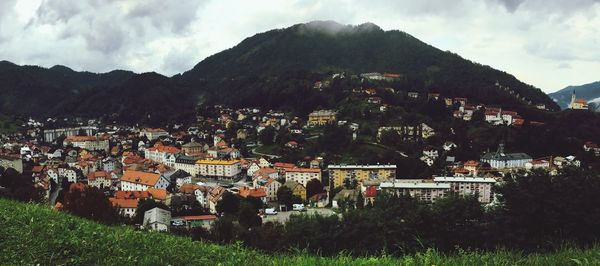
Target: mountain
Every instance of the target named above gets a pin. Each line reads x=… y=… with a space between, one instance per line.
x=34 y=90
x=326 y=46
x=590 y=92
x=268 y=70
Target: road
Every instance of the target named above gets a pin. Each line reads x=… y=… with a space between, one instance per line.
x=283 y=217
x=272 y=156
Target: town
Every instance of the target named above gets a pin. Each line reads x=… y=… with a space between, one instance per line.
x=186 y=171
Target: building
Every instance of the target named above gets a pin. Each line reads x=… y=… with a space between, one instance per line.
x=179 y=176
x=501 y=160
x=192 y=148
x=302 y=175
x=296 y=188
x=11 y=161
x=190 y=222
x=482 y=186
x=188 y=164
x=153 y=133
x=160 y=153
x=322 y=117
x=157 y=219
x=99 y=179
x=577 y=104
x=90 y=143
x=339 y=173
x=52 y=134
x=227 y=169
x=141 y=181
x=270 y=185
x=416 y=188
x=125 y=207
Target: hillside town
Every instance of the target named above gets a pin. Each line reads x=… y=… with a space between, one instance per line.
x=192 y=167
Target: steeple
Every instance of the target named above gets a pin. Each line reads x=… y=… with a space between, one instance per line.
x=573 y=99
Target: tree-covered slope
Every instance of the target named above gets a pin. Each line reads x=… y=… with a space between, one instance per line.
x=37 y=235
x=324 y=46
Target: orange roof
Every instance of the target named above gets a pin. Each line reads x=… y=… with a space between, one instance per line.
x=199 y=217
x=94 y=175
x=132 y=194
x=303 y=170
x=581 y=101
x=253 y=192
x=80 y=138
x=461 y=170
x=159 y=194
x=284 y=165
x=124 y=203
x=37 y=169
x=471 y=163
x=165 y=149
x=138 y=177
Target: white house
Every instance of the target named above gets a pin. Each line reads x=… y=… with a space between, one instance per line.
x=141 y=181
x=157 y=219
x=302 y=175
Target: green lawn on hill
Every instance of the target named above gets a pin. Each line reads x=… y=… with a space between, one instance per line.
x=36 y=235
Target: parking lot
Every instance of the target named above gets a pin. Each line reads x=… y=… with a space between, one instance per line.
x=282 y=217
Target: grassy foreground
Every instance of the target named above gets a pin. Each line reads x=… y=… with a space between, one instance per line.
x=36 y=235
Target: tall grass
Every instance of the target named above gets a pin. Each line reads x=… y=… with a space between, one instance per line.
x=36 y=235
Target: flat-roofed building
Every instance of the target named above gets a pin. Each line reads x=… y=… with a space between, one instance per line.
x=339 y=173
x=302 y=175
x=227 y=169
x=482 y=186
x=423 y=190
x=322 y=117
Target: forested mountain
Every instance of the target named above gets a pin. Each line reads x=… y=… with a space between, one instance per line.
x=325 y=46
x=271 y=70
x=589 y=92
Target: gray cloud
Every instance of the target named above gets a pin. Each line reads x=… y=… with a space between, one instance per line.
x=524 y=37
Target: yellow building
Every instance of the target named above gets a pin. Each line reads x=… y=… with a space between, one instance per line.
x=339 y=173
x=228 y=169
x=296 y=188
x=321 y=117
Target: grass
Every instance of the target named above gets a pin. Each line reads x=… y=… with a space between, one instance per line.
x=36 y=235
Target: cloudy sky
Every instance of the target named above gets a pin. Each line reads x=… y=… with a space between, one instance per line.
x=547 y=43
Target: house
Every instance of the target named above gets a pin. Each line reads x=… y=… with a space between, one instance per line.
x=180 y=177
x=125 y=207
x=433 y=96
x=158 y=194
x=257 y=193
x=270 y=185
x=471 y=166
x=592 y=147
x=339 y=173
x=413 y=94
x=319 y=200
x=537 y=164
x=200 y=192
x=291 y=144
x=160 y=153
x=138 y=180
x=322 y=117
x=99 y=179
x=345 y=195
x=192 y=148
x=427 y=160
x=302 y=175
x=227 y=169
x=372 y=76
x=266 y=172
x=431 y=152
x=460 y=100
x=374 y=100
x=262 y=162
x=153 y=133
x=157 y=219
x=252 y=169
x=296 y=188
x=449 y=145
x=187 y=164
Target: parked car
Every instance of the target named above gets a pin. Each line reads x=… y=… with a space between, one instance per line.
x=299 y=207
x=270 y=211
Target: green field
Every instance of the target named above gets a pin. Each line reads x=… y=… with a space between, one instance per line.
x=36 y=235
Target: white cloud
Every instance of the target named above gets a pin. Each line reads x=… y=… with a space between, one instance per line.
x=549 y=44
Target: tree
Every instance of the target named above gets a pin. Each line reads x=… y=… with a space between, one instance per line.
x=229 y=204
x=267 y=136
x=145 y=205
x=287 y=198
x=248 y=215
x=89 y=203
x=360 y=201
x=313 y=187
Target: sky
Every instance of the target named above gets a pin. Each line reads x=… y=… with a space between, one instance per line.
x=547 y=43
